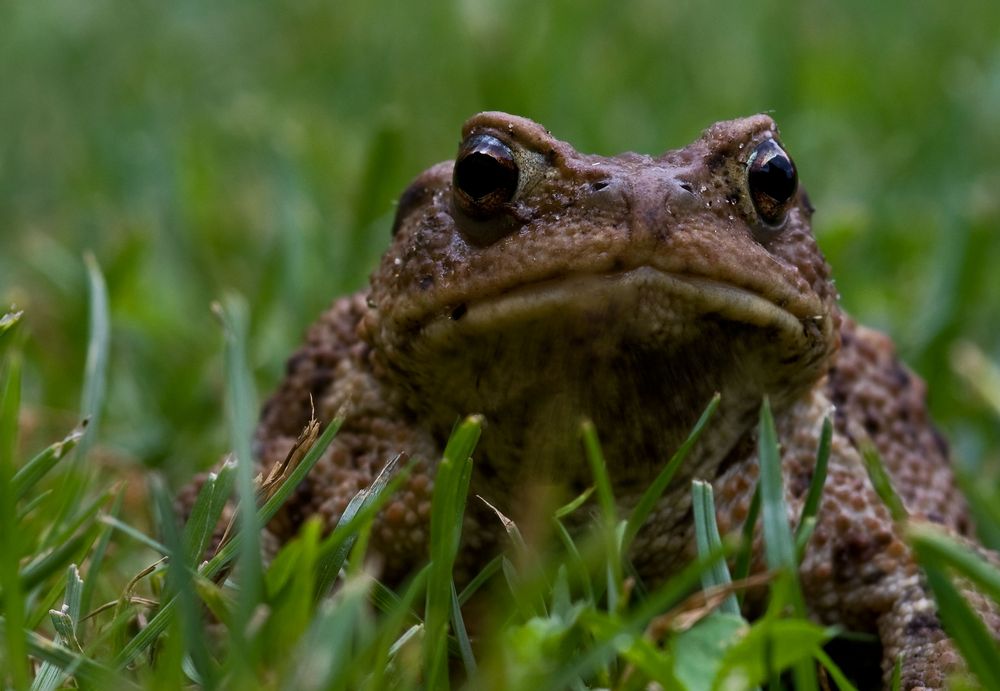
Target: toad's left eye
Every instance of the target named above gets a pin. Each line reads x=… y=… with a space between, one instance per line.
x=772 y=181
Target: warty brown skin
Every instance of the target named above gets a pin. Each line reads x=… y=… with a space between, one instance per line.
x=625 y=290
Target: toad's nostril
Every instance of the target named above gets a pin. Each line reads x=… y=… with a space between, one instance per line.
x=599 y=185
x=686 y=186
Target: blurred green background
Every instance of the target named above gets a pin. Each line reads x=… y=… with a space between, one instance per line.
x=197 y=148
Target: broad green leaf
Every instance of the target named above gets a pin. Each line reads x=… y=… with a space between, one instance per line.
x=770 y=647
x=699 y=651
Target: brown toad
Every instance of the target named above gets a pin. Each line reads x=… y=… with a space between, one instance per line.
x=539 y=286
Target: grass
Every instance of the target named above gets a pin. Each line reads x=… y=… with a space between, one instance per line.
x=259 y=147
x=312 y=618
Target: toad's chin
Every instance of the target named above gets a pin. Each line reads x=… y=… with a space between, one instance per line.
x=639 y=352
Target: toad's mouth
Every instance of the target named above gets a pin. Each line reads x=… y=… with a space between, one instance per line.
x=643 y=299
x=639 y=352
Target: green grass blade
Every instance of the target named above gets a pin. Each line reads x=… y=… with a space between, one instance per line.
x=8 y=328
x=98 y=346
x=779 y=547
x=779 y=544
x=576 y=503
x=206 y=511
x=96 y=557
x=136 y=534
x=526 y=605
x=934 y=547
x=321 y=660
x=392 y=627
x=181 y=584
x=655 y=490
x=608 y=513
x=161 y=620
x=295 y=478
x=815 y=493
x=241 y=408
x=575 y=558
x=94 y=386
x=608 y=639
x=707 y=540
x=271 y=506
x=35 y=572
x=34 y=470
x=49 y=676
x=599 y=469
x=980 y=373
x=82 y=667
x=461 y=633
x=10 y=538
x=843 y=684
x=802 y=535
x=74 y=593
x=485 y=574
x=966 y=629
x=881 y=481
x=359 y=512
x=745 y=554
x=451 y=487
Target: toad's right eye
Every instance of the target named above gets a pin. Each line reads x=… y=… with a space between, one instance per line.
x=772 y=181
x=485 y=176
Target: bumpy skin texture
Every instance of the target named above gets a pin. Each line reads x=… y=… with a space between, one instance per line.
x=626 y=290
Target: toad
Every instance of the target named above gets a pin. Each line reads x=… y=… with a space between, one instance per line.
x=539 y=286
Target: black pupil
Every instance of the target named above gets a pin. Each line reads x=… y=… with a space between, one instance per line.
x=775 y=177
x=487 y=167
x=479 y=174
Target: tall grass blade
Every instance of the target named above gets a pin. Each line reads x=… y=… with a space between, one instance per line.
x=207 y=510
x=98 y=346
x=707 y=540
x=392 y=626
x=608 y=513
x=745 y=554
x=359 y=511
x=839 y=678
x=35 y=572
x=49 y=675
x=96 y=557
x=968 y=632
x=608 y=639
x=881 y=481
x=241 y=408
x=979 y=372
x=932 y=546
x=181 y=584
x=10 y=539
x=8 y=324
x=485 y=574
x=461 y=633
x=451 y=487
x=811 y=504
x=84 y=670
x=779 y=544
x=322 y=659
x=34 y=470
x=161 y=620
x=659 y=485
